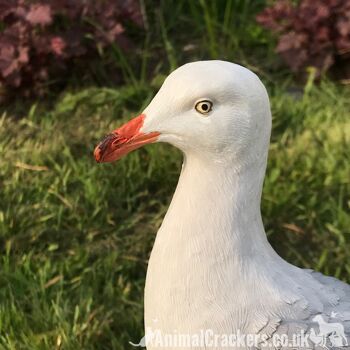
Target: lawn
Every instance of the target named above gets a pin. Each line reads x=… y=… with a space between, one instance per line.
x=75 y=236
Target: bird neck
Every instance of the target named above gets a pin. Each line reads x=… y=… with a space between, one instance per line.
x=217 y=206
x=211 y=247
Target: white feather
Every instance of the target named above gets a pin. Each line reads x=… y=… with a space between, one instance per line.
x=211 y=266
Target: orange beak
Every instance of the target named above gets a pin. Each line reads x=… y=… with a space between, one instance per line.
x=123 y=140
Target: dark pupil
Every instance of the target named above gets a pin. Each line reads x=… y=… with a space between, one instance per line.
x=205 y=107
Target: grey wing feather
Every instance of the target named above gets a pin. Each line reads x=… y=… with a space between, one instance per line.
x=327 y=330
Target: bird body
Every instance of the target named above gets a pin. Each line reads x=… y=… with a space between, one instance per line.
x=212 y=267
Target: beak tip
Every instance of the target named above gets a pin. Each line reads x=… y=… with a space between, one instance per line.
x=97 y=154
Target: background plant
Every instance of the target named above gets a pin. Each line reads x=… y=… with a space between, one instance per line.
x=312 y=33
x=40 y=40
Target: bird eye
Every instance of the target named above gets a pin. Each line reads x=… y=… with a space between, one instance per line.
x=203 y=107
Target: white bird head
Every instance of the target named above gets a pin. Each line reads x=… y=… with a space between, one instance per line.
x=214 y=109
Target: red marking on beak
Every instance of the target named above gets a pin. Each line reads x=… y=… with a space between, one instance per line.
x=123 y=140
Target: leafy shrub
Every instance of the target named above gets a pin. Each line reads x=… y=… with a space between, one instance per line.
x=314 y=33
x=41 y=39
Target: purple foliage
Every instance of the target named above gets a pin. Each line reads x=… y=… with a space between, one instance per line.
x=314 y=33
x=39 y=39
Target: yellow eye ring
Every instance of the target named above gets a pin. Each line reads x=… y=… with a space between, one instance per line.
x=204 y=107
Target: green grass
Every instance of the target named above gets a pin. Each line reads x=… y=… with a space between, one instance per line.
x=75 y=235
x=178 y=31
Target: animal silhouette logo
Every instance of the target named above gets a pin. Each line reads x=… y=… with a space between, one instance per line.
x=147 y=339
x=330 y=334
x=142 y=343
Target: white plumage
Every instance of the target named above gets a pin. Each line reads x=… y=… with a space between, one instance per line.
x=211 y=266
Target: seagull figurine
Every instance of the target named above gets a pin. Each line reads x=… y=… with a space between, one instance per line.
x=211 y=266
